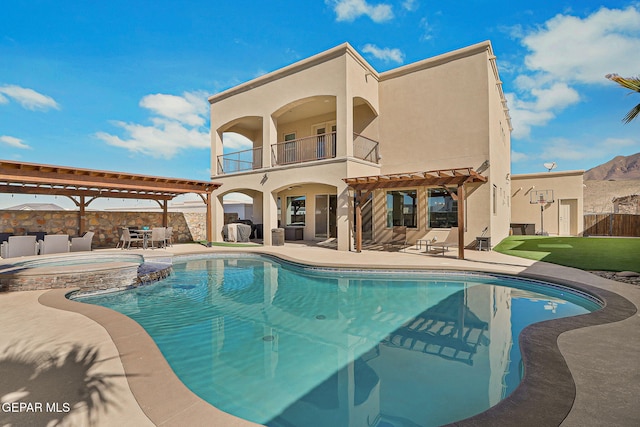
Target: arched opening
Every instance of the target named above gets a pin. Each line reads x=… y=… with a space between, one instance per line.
x=306 y=130
x=365 y=131
x=242 y=143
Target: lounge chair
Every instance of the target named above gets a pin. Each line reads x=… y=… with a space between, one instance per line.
x=54 y=244
x=398 y=237
x=82 y=243
x=450 y=242
x=16 y=246
x=434 y=235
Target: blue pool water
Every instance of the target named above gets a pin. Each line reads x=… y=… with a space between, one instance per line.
x=285 y=345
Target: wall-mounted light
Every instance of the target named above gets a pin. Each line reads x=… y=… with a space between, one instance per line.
x=484 y=166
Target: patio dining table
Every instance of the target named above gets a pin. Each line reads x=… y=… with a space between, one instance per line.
x=145 y=233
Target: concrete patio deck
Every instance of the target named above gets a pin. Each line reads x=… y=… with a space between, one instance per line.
x=51 y=347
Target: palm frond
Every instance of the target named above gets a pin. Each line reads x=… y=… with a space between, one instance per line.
x=632 y=114
x=632 y=83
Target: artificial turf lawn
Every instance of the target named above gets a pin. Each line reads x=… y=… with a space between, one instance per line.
x=585 y=253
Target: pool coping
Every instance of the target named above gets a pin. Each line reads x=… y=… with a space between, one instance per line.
x=545 y=396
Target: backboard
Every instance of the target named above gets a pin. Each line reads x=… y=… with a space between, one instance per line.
x=541 y=197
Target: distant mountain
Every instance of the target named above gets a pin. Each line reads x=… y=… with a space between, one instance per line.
x=620 y=168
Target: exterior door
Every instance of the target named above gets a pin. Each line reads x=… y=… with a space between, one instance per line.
x=325 y=217
x=290 y=150
x=325 y=140
x=564 y=219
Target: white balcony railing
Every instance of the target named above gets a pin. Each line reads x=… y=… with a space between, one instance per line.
x=240 y=161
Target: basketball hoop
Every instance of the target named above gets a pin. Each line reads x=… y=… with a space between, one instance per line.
x=542 y=198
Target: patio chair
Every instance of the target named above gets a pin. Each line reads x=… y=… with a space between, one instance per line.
x=120 y=241
x=4 y=237
x=82 y=243
x=450 y=242
x=54 y=244
x=133 y=231
x=168 y=236
x=398 y=237
x=39 y=234
x=157 y=236
x=127 y=238
x=16 y=246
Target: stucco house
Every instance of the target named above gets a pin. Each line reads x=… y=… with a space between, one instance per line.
x=425 y=146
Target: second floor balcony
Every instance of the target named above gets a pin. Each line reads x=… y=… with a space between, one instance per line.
x=307 y=149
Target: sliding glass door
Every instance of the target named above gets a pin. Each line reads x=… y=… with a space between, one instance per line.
x=326 y=205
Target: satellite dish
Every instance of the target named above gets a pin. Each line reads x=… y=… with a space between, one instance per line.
x=550 y=166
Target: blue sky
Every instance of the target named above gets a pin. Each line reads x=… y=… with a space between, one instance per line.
x=123 y=86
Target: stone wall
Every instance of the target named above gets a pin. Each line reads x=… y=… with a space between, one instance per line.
x=187 y=227
x=116 y=275
x=627 y=205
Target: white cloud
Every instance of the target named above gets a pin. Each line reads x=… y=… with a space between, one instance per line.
x=584 y=50
x=386 y=54
x=235 y=141
x=410 y=5
x=349 y=10
x=568 y=51
x=518 y=157
x=525 y=115
x=565 y=149
x=28 y=98
x=181 y=126
x=620 y=142
x=427 y=32
x=13 y=142
x=557 y=97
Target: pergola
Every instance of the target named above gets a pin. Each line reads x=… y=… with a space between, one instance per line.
x=86 y=185
x=364 y=186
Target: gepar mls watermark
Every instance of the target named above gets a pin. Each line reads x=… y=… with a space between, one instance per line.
x=36 y=407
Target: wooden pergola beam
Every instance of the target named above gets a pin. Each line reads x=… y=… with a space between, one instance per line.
x=70 y=192
x=32 y=178
x=428 y=178
x=434 y=178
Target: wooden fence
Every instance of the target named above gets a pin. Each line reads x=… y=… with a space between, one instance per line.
x=626 y=225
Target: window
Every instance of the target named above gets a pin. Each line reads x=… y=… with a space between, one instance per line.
x=443 y=210
x=495 y=199
x=289 y=148
x=296 y=210
x=402 y=208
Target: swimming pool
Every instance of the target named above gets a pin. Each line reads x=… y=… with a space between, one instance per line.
x=282 y=344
